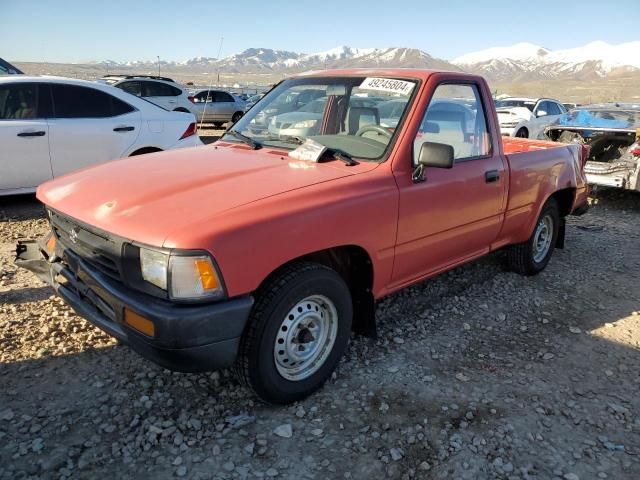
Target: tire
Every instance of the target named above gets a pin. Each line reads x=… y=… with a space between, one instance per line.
x=236 y=116
x=522 y=133
x=532 y=256
x=265 y=360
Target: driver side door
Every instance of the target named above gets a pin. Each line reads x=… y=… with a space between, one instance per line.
x=454 y=214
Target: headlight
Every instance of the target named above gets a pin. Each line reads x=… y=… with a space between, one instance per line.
x=305 y=124
x=153 y=265
x=194 y=277
x=184 y=276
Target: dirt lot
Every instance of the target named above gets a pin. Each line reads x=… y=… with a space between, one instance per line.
x=478 y=374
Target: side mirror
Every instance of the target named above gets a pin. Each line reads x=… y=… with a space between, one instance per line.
x=432 y=154
x=541 y=113
x=438 y=155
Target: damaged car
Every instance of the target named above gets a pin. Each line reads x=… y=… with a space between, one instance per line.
x=613 y=133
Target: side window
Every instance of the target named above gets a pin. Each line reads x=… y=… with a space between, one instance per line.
x=18 y=102
x=455 y=116
x=118 y=107
x=134 y=88
x=202 y=97
x=157 y=89
x=554 y=108
x=71 y=101
x=542 y=107
x=223 y=97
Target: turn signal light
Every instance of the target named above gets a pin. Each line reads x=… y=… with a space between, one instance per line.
x=208 y=277
x=51 y=245
x=139 y=323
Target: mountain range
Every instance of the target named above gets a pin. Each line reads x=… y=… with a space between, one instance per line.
x=522 y=61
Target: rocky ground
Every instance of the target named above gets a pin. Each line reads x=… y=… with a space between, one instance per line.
x=478 y=374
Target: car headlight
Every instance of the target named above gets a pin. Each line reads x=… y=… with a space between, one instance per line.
x=183 y=276
x=305 y=124
x=153 y=266
x=193 y=277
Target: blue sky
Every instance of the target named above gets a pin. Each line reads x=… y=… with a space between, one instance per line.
x=76 y=31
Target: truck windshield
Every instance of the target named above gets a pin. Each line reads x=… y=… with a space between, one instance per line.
x=355 y=115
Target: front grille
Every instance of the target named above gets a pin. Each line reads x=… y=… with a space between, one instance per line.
x=99 y=249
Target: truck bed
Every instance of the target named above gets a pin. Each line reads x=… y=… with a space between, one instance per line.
x=511 y=145
x=537 y=167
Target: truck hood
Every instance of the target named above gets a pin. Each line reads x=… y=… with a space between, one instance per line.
x=145 y=198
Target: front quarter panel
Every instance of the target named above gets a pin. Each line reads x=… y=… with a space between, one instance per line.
x=254 y=240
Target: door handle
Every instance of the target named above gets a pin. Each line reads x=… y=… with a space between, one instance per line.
x=39 y=133
x=491 y=176
x=124 y=129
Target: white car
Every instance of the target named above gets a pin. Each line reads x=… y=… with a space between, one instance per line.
x=50 y=126
x=162 y=91
x=216 y=106
x=513 y=110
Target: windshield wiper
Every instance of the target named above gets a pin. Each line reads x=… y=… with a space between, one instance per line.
x=243 y=138
x=337 y=154
x=286 y=139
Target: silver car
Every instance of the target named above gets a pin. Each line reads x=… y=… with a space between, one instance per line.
x=216 y=106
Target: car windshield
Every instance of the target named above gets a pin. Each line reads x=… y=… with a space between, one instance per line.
x=515 y=103
x=357 y=116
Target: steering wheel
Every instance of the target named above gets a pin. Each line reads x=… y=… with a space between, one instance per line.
x=373 y=128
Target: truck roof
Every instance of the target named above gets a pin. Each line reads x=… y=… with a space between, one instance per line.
x=418 y=73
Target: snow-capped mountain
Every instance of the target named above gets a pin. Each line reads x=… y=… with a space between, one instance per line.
x=522 y=61
x=596 y=59
x=268 y=60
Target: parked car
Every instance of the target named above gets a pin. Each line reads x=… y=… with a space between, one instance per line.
x=162 y=91
x=51 y=126
x=216 y=106
x=7 y=69
x=513 y=110
x=535 y=127
x=612 y=131
x=265 y=252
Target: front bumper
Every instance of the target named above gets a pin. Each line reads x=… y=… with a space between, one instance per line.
x=187 y=338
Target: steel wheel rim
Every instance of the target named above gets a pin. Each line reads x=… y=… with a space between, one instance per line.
x=305 y=337
x=542 y=238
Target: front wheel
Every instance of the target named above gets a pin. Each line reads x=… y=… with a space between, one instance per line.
x=532 y=256
x=298 y=330
x=522 y=133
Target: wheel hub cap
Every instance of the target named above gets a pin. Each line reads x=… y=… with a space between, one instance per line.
x=542 y=238
x=305 y=337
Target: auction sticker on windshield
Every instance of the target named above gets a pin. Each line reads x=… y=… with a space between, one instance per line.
x=387 y=85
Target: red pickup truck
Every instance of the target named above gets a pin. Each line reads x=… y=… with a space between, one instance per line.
x=265 y=250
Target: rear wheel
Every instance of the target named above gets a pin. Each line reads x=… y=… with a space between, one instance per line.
x=522 y=133
x=298 y=330
x=532 y=256
x=236 y=116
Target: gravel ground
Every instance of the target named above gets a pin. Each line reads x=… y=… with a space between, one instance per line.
x=477 y=374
